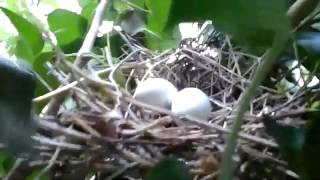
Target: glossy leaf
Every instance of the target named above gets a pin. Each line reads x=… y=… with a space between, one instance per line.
x=69 y=29
x=29 y=36
x=169 y=169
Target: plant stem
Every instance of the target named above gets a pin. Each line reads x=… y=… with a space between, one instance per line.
x=264 y=68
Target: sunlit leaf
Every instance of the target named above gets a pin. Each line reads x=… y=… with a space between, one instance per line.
x=84 y=3
x=23 y=50
x=28 y=33
x=159 y=14
x=88 y=10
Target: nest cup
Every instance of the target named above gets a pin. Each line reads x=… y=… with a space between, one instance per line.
x=102 y=122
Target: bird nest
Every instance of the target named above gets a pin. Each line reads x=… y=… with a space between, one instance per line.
x=100 y=127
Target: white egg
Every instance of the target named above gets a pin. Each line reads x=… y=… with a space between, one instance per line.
x=192 y=102
x=156 y=91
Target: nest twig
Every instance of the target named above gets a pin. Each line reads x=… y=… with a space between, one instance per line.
x=104 y=128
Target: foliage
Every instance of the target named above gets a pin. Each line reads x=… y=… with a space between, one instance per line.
x=252 y=24
x=299 y=145
x=69 y=29
x=170 y=169
x=30 y=42
x=18 y=86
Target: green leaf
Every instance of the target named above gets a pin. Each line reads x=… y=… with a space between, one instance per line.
x=111 y=14
x=116 y=43
x=290 y=140
x=88 y=10
x=29 y=34
x=251 y=23
x=169 y=169
x=120 y=6
x=159 y=15
x=311 y=147
x=163 y=42
x=6 y=162
x=35 y=174
x=16 y=93
x=69 y=29
x=23 y=50
x=138 y=3
x=84 y=3
x=39 y=67
x=300 y=147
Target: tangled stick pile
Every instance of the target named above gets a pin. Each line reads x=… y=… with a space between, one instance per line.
x=101 y=126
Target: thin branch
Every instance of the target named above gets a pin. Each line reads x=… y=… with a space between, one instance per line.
x=92 y=33
x=16 y=166
x=300 y=9
x=62 y=145
x=51 y=163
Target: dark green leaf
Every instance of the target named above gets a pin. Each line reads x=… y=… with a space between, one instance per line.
x=17 y=90
x=116 y=43
x=169 y=169
x=35 y=174
x=6 y=162
x=311 y=147
x=251 y=23
x=290 y=140
x=29 y=34
x=39 y=67
x=111 y=13
x=69 y=29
